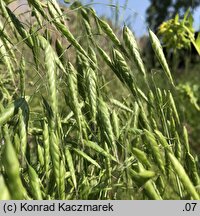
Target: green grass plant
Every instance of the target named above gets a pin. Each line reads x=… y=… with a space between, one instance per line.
x=64 y=134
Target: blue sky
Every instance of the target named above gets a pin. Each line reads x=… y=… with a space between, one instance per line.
x=134 y=15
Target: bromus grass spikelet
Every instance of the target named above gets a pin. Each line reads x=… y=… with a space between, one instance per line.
x=79 y=117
